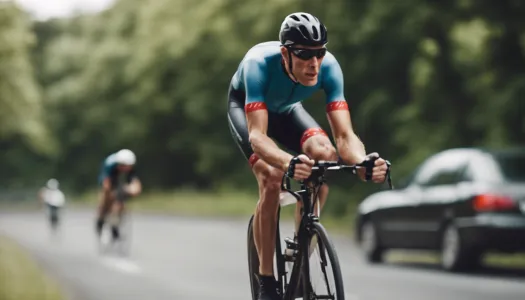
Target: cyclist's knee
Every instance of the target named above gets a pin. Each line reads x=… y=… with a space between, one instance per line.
x=117 y=206
x=269 y=178
x=320 y=148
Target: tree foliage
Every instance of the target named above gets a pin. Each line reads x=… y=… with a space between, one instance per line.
x=420 y=76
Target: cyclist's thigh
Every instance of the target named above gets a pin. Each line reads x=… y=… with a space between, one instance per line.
x=238 y=125
x=105 y=200
x=293 y=128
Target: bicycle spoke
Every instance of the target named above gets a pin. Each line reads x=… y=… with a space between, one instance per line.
x=324 y=270
x=323 y=267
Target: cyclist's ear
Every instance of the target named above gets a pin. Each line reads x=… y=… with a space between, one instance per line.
x=283 y=50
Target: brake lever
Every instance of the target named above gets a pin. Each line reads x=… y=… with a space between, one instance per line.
x=388 y=176
x=368 y=164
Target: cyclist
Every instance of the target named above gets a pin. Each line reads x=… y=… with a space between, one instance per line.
x=119 y=181
x=264 y=104
x=54 y=199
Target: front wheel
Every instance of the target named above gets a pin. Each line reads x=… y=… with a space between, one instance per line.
x=124 y=240
x=370 y=243
x=326 y=281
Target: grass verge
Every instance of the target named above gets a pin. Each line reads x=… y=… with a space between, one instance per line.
x=21 y=278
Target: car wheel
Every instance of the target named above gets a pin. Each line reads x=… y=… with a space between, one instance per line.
x=455 y=254
x=370 y=243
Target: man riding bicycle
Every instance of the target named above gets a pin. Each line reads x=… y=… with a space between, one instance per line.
x=54 y=199
x=119 y=181
x=264 y=103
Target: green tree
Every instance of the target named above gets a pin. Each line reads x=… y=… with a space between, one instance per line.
x=420 y=76
x=24 y=138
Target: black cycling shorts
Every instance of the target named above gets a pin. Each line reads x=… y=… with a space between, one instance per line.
x=290 y=129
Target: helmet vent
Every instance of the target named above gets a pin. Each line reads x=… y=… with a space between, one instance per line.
x=316 y=33
x=304 y=31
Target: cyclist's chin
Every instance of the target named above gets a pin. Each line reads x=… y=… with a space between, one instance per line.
x=308 y=80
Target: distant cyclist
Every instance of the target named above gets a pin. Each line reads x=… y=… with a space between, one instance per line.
x=119 y=181
x=54 y=199
x=264 y=107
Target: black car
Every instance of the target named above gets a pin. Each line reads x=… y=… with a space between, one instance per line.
x=462 y=202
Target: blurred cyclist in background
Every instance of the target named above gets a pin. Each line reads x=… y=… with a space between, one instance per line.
x=51 y=196
x=119 y=181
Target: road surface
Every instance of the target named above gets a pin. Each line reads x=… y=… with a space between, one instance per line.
x=196 y=259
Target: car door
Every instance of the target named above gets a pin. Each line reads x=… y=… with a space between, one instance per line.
x=438 y=195
x=397 y=227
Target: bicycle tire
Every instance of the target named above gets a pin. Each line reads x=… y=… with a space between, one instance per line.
x=123 y=245
x=320 y=231
x=253 y=261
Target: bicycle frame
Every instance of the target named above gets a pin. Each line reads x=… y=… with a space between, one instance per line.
x=308 y=190
x=308 y=217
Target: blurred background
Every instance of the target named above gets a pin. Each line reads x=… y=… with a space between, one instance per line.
x=82 y=79
x=420 y=77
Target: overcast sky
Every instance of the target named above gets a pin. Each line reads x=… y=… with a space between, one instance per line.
x=45 y=9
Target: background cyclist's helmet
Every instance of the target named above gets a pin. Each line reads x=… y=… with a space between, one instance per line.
x=52 y=184
x=303 y=29
x=125 y=157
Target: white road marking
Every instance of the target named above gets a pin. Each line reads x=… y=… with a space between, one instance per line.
x=122 y=265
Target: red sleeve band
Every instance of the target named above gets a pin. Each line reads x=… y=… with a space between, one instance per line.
x=254 y=106
x=336 y=105
x=311 y=132
x=253 y=159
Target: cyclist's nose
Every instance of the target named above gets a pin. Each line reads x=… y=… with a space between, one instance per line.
x=313 y=63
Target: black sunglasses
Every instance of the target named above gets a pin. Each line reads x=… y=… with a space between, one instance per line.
x=306 y=54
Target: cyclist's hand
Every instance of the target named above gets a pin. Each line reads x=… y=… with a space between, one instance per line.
x=303 y=169
x=379 y=170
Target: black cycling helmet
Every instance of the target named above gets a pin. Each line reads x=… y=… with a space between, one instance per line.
x=304 y=29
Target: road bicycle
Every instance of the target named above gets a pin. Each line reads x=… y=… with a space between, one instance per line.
x=311 y=238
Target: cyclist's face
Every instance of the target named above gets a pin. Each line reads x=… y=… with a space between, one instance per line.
x=124 y=168
x=306 y=62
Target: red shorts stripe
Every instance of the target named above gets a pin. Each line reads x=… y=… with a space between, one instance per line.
x=254 y=106
x=253 y=159
x=336 y=105
x=311 y=132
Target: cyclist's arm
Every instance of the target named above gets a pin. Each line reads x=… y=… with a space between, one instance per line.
x=106 y=184
x=107 y=170
x=350 y=148
x=257 y=116
x=263 y=145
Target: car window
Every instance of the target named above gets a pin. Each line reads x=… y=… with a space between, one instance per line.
x=511 y=166
x=443 y=168
x=426 y=170
x=448 y=176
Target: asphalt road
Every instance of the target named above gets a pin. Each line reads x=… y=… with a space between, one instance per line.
x=192 y=258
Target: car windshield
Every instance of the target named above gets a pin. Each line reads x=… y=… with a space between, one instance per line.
x=512 y=166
